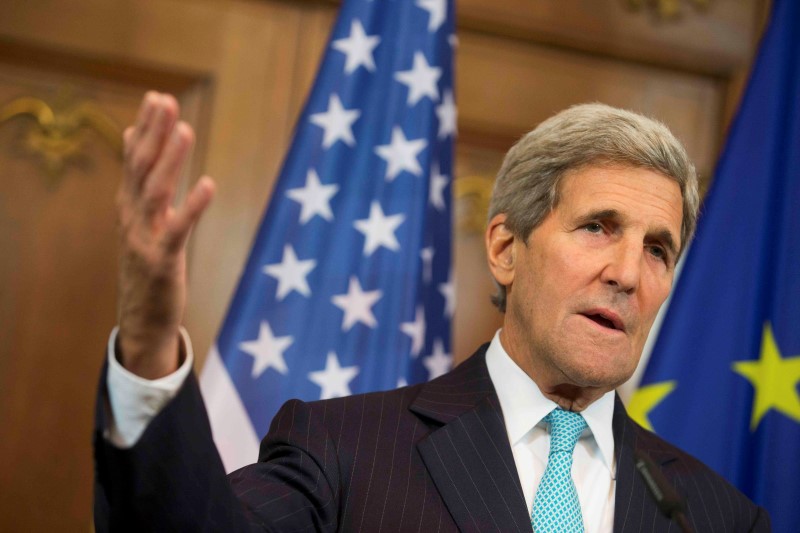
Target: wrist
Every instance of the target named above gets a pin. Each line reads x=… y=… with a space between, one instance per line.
x=151 y=357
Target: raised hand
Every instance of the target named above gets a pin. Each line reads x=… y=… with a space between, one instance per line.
x=153 y=235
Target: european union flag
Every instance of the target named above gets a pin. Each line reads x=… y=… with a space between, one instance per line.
x=722 y=381
x=348 y=287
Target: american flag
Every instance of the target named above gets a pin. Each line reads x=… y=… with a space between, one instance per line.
x=349 y=286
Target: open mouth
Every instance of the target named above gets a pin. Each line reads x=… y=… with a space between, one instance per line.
x=606 y=321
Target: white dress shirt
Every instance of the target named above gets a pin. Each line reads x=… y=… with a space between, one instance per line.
x=135 y=401
x=594 y=464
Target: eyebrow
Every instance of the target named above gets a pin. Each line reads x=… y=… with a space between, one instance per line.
x=663 y=235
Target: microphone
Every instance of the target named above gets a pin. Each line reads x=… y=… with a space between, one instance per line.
x=667 y=498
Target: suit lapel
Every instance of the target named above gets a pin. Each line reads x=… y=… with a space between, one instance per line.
x=470 y=461
x=634 y=507
x=468 y=457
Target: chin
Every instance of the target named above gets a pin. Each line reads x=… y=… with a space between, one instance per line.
x=601 y=370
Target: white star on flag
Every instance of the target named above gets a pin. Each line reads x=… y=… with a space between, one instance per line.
x=358 y=48
x=436 y=9
x=401 y=154
x=415 y=330
x=267 y=350
x=448 y=115
x=337 y=122
x=421 y=79
x=436 y=190
x=291 y=273
x=357 y=305
x=448 y=290
x=335 y=379
x=379 y=229
x=439 y=362
x=314 y=198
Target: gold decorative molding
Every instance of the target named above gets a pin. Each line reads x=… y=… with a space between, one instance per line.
x=472 y=195
x=56 y=137
x=667 y=9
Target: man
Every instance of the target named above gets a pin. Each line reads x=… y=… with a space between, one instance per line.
x=590 y=213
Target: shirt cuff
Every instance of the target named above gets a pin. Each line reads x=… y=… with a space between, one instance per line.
x=135 y=401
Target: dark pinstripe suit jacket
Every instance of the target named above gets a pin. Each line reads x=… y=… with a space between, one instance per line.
x=432 y=457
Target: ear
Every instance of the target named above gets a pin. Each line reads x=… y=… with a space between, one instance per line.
x=500 y=250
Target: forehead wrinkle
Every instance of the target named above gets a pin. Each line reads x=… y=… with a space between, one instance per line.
x=604 y=195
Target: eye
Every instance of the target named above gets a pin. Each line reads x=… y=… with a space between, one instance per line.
x=658 y=252
x=593 y=227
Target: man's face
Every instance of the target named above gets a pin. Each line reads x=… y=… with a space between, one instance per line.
x=586 y=287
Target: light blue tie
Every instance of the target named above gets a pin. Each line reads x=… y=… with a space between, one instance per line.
x=556 y=507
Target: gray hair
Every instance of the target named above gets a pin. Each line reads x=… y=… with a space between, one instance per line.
x=527 y=186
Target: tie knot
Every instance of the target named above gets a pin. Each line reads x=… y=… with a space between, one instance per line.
x=565 y=429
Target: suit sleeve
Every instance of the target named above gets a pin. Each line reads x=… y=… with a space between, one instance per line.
x=762 y=523
x=296 y=483
x=173 y=479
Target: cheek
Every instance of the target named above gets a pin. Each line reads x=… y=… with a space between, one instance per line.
x=532 y=293
x=570 y=271
x=655 y=293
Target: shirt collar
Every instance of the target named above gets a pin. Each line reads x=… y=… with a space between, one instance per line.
x=524 y=405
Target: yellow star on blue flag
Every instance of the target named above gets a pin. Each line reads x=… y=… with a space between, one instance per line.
x=645 y=399
x=774 y=379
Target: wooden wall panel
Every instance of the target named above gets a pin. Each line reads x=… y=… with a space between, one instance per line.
x=234 y=66
x=476 y=320
x=57 y=302
x=258 y=58
x=177 y=35
x=713 y=41
x=511 y=86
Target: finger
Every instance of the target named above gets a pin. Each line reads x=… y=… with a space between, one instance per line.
x=127 y=137
x=130 y=136
x=145 y=112
x=148 y=100
x=189 y=213
x=159 y=189
x=127 y=142
x=149 y=136
x=146 y=149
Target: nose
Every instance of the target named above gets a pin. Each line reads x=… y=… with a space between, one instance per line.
x=624 y=268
